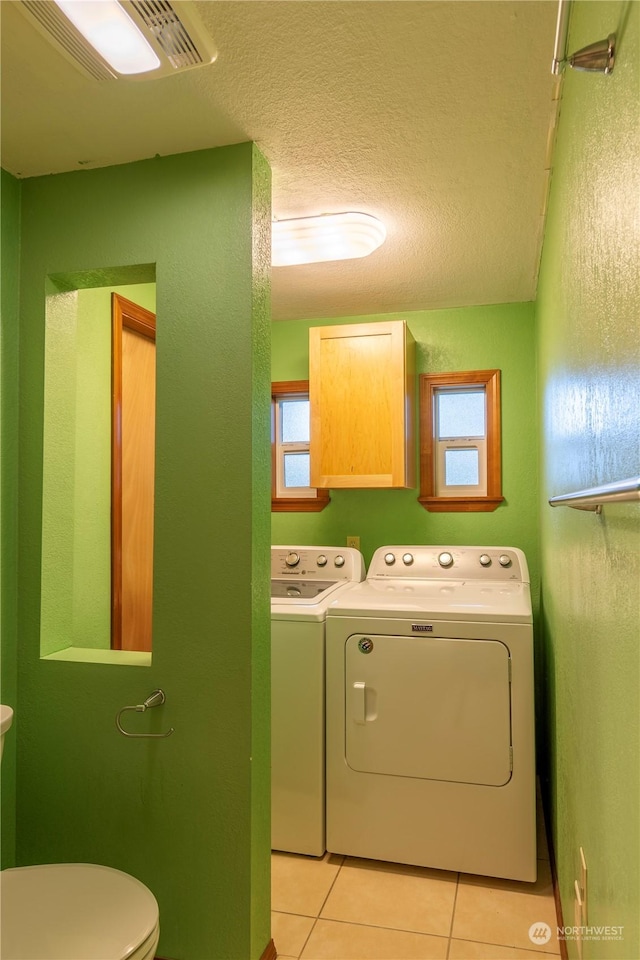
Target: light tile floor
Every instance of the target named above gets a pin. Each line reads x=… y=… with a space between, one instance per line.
x=342 y=908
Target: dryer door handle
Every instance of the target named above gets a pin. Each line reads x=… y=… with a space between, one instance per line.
x=363 y=705
x=359 y=702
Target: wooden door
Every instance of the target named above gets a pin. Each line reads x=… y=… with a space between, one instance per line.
x=133 y=474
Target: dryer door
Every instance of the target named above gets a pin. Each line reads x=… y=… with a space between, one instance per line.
x=428 y=708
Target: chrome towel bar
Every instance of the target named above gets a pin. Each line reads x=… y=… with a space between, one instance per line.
x=595 y=497
x=598 y=57
x=156 y=699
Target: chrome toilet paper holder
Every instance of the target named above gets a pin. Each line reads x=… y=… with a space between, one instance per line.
x=155 y=699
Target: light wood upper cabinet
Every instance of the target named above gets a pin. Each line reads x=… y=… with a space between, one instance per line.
x=361 y=392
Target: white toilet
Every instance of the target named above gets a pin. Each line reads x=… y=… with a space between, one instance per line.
x=74 y=911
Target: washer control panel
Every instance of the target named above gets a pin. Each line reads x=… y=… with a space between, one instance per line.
x=448 y=562
x=322 y=563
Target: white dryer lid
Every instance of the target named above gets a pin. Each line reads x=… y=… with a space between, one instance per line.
x=463 y=600
x=74 y=911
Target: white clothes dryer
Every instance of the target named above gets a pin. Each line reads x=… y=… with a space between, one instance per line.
x=303 y=582
x=430 y=712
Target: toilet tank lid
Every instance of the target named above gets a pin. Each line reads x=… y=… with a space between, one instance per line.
x=75 y=911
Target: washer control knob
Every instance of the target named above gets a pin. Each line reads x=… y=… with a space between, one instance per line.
x=292 y=559
x=505 y=561
x=389 y=559
x=445 y=559
x=322 y=560
x=339 y=560
x=407 y=559
x=485 y=560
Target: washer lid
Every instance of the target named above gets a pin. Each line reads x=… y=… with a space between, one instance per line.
x=74 y=911
x=307 y=608
x=300 y=590
x=464 y=600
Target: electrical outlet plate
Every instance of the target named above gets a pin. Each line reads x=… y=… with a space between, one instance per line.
x=353 y=542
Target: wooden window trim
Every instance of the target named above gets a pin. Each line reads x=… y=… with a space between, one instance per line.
x=291 y=388
x=429 y=383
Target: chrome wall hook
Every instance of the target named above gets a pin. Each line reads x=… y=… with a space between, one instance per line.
x=155 y=699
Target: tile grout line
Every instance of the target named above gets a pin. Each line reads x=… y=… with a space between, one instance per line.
x=333 y=883
x=453 y=913
x=436 y=936
x=377 y=926
x=510 y=946
x=317 y=917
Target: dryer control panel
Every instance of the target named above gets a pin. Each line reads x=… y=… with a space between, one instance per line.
x=449 y=563
x=321 y=563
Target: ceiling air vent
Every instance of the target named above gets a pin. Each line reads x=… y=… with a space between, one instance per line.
x=174 y=30
x=170 y=33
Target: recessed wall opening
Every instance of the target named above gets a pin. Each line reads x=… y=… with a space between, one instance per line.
x=86 y=585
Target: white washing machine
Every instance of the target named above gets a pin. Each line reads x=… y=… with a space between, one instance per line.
x=303 y=582
x=430 y=712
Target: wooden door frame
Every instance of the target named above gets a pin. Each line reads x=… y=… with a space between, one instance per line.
x=124 y=315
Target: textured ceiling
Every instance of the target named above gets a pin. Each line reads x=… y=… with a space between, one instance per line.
x=432 y=116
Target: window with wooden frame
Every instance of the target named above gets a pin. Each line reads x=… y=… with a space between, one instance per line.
x=460 y=442
x=290 y=458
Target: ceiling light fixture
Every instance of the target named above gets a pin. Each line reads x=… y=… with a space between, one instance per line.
x=332 y=236
x=133 y=40
x=112 y=32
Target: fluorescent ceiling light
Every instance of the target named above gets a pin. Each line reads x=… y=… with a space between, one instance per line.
x=112 y=32
x=333 y=236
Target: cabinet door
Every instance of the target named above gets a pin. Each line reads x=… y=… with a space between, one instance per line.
x=361 y=391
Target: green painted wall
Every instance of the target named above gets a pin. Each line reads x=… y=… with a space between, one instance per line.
x=469 y=338
x=587 y=312
x=76 y=493
x=9 y=310
x=258 y=388
x=187 y=815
